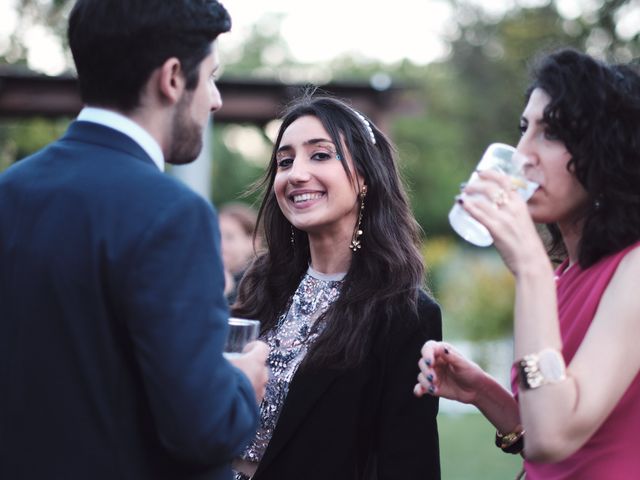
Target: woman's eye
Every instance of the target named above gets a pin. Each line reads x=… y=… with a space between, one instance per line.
x=321 y=156
x=522 y=128
x=284 y=162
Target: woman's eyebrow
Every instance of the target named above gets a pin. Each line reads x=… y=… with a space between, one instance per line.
x=315 y=141
x=284 y=148
x=312 y=141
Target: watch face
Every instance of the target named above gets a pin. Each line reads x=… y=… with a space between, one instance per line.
x=551 y=365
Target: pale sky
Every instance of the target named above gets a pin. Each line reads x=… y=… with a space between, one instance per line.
x=373 y=29
x=320 y=31
x=315 y=31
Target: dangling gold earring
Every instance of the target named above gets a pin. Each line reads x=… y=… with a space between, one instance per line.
x=355 y=239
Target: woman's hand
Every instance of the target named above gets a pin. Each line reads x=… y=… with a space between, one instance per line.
x=253 y=363
x=493 y=201
x=444 y=372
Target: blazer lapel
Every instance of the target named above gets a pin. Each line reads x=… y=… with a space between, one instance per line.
x=89 y=132
x=304 y=391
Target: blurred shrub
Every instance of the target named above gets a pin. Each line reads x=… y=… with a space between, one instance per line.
x=473 y=287
x=22 y=137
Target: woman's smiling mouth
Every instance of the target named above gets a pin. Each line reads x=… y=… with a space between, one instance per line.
x=305 y=197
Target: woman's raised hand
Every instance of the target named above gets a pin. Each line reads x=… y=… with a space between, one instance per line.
x=444 y=372
x=505 y=214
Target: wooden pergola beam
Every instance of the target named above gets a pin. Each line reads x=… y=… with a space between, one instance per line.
x=25 y=94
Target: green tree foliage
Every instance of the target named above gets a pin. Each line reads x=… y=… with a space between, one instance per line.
x=20 y=138
x=233 y=178
x=474 y=289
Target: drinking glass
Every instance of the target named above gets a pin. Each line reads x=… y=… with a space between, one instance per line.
x=500 y=158
x=241 y=332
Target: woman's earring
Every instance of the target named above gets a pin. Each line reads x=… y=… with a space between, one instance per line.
x=293 y=237
x=597 y=203
x=355 y=239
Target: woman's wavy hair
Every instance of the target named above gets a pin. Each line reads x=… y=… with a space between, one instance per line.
x=595 y=110
x=384 y=276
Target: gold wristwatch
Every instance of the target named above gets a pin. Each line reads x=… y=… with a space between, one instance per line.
x=538 y=369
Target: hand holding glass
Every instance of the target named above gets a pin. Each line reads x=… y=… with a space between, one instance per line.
x=241 y=332
x=500 y=158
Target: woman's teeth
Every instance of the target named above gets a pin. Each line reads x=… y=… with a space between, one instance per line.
x=306 y=196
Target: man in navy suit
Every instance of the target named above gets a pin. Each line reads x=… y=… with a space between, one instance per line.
x=112 y=313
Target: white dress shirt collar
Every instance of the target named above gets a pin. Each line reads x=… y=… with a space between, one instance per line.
x=125 y=125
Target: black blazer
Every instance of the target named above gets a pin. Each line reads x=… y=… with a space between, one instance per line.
x=112 y=321
x=364 y=423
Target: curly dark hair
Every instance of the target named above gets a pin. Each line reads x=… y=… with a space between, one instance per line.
x=384 y=277
x=595 y=110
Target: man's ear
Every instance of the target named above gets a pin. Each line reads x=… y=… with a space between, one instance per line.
x=171 y=80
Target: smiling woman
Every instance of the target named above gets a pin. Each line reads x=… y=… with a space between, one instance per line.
x=339 y=295
x=314 y=190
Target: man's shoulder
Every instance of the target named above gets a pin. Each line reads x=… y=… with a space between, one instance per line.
x=99 y=173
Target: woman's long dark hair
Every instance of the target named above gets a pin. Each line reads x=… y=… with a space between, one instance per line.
x=384 y=276
x=595 y=110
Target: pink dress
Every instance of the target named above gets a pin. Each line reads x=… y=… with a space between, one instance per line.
x=613 y=452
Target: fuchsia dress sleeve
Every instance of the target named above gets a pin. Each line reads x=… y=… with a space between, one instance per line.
x=612 y=451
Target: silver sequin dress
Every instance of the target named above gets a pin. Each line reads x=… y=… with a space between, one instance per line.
x=289 y=342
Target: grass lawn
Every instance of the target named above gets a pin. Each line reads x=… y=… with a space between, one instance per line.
x=467 y=451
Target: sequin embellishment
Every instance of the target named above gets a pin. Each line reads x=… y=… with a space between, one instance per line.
x=289 y=342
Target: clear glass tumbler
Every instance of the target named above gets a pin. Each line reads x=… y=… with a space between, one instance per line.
x=501 y=158
x=241 y=332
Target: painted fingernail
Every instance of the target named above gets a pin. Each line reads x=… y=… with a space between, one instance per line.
x=446 y=350
x=427 y=362
x=432 y=389
x=462 y=185
x=430 y=377
x=459 y=200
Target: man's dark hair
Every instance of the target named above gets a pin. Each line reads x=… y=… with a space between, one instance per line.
x=116 y=44
x=595 y=110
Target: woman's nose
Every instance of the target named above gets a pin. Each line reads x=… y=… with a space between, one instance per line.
x=525 y=151
x=299 y=171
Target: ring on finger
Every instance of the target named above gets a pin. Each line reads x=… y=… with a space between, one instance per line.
x=499 y=198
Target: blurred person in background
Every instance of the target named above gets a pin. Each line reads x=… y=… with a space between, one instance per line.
x=239 y=242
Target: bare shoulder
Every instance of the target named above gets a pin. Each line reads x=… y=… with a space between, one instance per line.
x=626 y=275
x=630 y=264
x=620 y=297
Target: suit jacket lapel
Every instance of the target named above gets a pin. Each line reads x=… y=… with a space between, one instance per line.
x=89 y=132
x=305 y=390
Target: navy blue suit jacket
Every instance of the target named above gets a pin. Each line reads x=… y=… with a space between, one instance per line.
x=112 y=320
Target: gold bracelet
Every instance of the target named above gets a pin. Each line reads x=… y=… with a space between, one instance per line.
x=538 y=369
x=511 y=442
